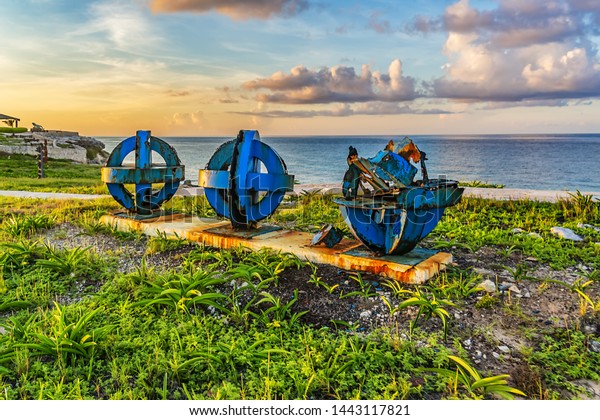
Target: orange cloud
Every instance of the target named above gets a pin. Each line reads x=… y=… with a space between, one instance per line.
x=235 y=9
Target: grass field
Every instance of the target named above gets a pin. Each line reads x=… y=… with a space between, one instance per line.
x=20 y=172
x=87 y=311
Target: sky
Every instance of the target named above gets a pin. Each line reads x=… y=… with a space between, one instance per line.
x=302 y=67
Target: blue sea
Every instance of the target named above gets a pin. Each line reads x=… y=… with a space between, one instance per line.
x=542 y=162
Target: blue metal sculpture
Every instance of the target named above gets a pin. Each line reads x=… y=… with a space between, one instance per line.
x=236 y=188
x=396 y=212
x=143 y=174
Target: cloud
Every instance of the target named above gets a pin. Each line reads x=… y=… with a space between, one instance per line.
x=521 y=50
x=188 y=119
x=124 y=23
x=345 y=110
x=379 y=25
x=178 y=93
x=235 y=9
x=336 y=84
x=514 y=23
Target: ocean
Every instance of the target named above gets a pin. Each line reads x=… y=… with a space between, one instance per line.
x=541 y=162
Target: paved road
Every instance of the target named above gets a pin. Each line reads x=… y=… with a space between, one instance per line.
x=493 y=193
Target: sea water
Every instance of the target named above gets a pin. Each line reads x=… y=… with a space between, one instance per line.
x=542 y=162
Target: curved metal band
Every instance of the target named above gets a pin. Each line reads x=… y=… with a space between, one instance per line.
x=144 y=174
x=232 y=179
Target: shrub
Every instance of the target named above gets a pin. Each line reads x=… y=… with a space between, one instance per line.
x=12 y=129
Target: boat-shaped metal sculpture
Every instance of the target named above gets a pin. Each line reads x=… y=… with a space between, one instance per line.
x=394 y=212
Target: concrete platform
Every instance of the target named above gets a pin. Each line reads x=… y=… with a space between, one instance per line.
x=415 y=267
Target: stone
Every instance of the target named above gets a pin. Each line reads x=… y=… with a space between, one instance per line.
x=496 y=355
x=565 y=233
x=586 y=226
x=534 y=235
x=517 y=230
x=488 y=286
x=513 y=288
x=365 y=314
x=595 y=346
x=504 y=349
x=2 y=331
x=467 y=343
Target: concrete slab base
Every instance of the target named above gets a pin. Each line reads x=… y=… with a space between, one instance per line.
x=415 y=267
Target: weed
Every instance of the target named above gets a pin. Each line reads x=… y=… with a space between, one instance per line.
x=366 y=288
x=487 y=301
x=428 y=306
x=64 y=261
x=473 y=382
x=163 y=243
x=67 y=340
x=317 y=281
x=24 y=225
x=181 y=292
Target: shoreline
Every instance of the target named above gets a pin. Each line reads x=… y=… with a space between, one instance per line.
x=551 y=196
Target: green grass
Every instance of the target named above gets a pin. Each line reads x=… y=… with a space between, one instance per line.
x=19 y=172
x=215 y=328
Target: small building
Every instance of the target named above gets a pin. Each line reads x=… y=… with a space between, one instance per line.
x=11 y=121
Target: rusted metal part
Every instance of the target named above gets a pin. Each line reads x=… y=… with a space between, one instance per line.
x=400 y=211
x=143 y=174
x=415 y=267
x=328 y=235
x=236 y=188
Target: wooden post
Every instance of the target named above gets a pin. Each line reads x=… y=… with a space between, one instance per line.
x=40 y=161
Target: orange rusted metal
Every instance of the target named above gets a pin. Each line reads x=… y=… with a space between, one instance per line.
x=348 y=254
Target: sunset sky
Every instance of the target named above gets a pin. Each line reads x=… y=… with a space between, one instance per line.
x=302 y=67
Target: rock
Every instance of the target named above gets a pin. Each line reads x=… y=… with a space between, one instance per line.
x=504 y=349
x=467 y=343
x=488 y=286
x=517 y=230
x=534 y=235
x=2 y=331
x=496 y=355
x=484 y=271
x=595 y=346
x=513 y=288
x=586 y=226
x=94 y=149
x=565 y=233
x=365 y=314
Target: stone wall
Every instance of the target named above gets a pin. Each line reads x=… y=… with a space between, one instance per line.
x=74 y=153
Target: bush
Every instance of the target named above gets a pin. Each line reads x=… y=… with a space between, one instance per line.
x=12 y=129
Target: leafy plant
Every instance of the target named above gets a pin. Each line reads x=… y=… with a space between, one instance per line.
x=182 y=292
x=366 y=288
x=428 y=306
x=317 y=281
x=163 y=243
x=22 y=225
x=64 y=261
x=473 y=382
x=67 y=340
x=278 y=312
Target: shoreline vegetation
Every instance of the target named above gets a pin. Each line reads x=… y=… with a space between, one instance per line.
x=90 y=312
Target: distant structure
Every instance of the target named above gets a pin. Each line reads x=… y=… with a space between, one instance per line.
x=10 y=121
x=37 y=128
